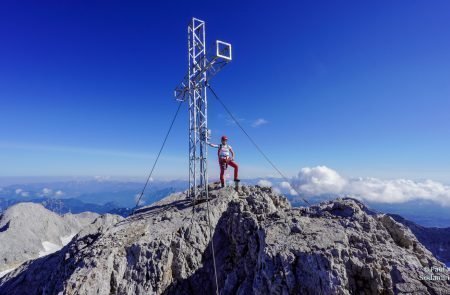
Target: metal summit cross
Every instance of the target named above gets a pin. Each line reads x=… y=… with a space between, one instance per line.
x=193 y=89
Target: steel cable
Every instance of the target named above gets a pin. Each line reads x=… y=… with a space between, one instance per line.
x=157 y=157
x=254 y=143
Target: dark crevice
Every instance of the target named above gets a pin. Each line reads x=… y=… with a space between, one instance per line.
x=5 y=227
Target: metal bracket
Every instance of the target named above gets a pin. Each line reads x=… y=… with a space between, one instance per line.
x=223 y=50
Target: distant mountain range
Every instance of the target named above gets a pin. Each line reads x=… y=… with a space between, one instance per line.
x=425 y=213
x=62 y=206
x=98 y=196
x=119 y=197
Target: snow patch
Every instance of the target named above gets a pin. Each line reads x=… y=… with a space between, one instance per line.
x=49 y=248
x=66 y=239
x=3 y=273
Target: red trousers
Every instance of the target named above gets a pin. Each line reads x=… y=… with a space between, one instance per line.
x=222 y=164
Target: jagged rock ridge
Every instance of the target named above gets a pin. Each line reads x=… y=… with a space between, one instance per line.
x=435 y=239
x=263 y=246
x=26 y=229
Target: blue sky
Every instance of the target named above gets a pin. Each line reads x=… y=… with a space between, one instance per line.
x=362 y=87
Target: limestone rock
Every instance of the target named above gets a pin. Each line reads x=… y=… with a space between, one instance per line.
x=262 y=246
x=29 y=230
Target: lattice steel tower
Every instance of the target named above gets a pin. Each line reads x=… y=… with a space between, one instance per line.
x=193 y=89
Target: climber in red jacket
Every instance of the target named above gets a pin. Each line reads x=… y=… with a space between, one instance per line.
x=226 y=157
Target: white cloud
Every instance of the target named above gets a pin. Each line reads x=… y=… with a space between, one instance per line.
x=264 y=183
x=258 y=122
x=277 y=190
x=59 y=193
x=141 y=201
x=323 y=180
x=46 y=191
x=285 y=187
x=318 y=180
x=22 y=193
x=399 y=190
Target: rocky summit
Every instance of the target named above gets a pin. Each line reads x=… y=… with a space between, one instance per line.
x=262 y=246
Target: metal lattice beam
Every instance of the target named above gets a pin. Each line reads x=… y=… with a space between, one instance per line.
x=193 y=90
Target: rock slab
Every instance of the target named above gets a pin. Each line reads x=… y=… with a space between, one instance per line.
x=262 y=246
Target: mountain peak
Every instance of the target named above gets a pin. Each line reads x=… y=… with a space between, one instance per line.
x=262 y=245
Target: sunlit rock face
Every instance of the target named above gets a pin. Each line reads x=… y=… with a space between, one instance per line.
x=29 y=231
x=262 y=246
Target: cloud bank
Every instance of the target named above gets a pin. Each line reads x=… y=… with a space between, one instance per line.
x=47 y=191
x=22 y=193
x=321 y=180
x=264 y=183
